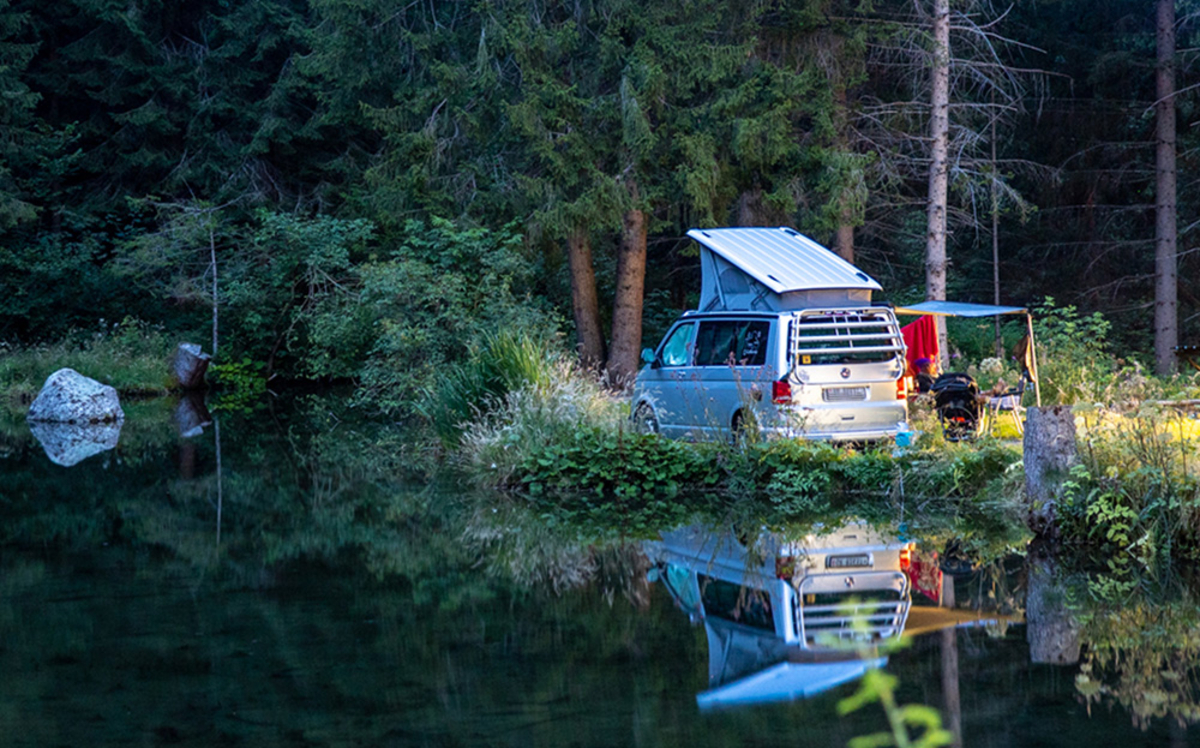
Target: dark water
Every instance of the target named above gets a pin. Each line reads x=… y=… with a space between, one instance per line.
x=342 y=604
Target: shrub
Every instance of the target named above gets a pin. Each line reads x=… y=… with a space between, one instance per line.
x=1136 y=489
x=1074 y=364
x=549 y=407
x=505 y=362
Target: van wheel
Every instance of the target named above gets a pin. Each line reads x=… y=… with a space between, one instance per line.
x=644 y=420
x=742 y=430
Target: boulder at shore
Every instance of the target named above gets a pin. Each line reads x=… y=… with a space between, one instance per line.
x=69 y=397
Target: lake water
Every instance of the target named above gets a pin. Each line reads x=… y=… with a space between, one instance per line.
x=313 y=595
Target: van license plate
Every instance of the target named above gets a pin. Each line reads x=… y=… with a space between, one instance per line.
x=857 y=561
x=844 y=394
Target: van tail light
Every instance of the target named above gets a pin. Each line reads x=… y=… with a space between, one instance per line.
x=785 y=567
x=781 y=392
x=906 y=557
x=902 y=388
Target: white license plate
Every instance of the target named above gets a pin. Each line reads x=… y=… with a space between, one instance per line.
x=857 y=561
x=843 y=394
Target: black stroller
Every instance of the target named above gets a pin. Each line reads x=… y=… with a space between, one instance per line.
x=956 y=398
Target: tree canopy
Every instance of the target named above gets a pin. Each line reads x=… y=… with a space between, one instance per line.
x=546 y=124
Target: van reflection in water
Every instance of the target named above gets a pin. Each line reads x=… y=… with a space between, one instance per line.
x=791 y=619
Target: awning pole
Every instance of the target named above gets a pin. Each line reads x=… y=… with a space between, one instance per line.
x=1037 y=381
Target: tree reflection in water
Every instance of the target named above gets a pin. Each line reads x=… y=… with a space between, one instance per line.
x=1142 y=649
x=352 y=596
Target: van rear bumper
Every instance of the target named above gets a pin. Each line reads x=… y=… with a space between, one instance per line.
x=864 y=423
x=865 y=435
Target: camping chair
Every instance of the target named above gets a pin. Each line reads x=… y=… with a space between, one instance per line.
x=1009 y=401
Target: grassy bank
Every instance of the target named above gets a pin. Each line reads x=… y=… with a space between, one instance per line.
x=129 y=355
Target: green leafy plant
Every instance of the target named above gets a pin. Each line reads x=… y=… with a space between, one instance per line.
x=504 y=362
x=239 y=384
x=879 y=687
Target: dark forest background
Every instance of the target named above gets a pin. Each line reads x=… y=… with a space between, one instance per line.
x=368 y=186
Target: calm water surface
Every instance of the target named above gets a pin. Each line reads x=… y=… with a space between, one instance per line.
x=311 y=595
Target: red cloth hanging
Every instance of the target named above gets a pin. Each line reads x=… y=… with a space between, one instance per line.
x=922 y=341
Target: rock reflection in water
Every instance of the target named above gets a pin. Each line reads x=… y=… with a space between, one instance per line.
x=68 y=444
x=191 y=416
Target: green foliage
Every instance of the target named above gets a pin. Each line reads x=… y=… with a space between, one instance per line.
x=505 y=362
x=441 y=291
x=639 y=474
x=1135 y=494
x=1141 y=636
x=287 y=293
x=239 y=385
x=880 y=687
x=1073 y=359
x=601 y=464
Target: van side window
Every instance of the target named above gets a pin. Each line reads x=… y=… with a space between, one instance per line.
x=733 y=602
x=732 y=342
x=677 y=350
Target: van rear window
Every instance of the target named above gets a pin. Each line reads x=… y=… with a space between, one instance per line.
x=845 y=338
x=731 y=342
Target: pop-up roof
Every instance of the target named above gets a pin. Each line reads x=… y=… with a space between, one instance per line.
x=773 y=269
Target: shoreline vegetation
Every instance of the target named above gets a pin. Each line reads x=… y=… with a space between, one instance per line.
x=514 y=412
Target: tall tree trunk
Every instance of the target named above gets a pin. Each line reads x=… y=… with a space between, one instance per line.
x=584 y=302
x=841 y=118
x=1166 y=287
x=939 y=132
x=627 y=306
x=996 y=240
x=845 y=239
x=212 y=254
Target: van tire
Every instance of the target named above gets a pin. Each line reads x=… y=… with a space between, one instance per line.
x=740 y=432
x=644 y=419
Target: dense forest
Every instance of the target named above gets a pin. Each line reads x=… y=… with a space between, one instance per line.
x=362 y=189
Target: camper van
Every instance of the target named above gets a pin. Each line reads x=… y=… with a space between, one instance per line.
x=816 y=594
x=786 y=341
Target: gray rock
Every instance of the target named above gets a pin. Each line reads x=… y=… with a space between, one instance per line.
x=189 y=365
x=69 y=397
x=69 y=443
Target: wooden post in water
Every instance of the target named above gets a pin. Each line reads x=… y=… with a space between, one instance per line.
x=1049 y=454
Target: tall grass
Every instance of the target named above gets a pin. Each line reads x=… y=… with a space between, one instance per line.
x=513 y=385
x=131 y=356
x=513 y=396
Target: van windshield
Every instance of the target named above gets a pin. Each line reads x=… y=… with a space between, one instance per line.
x=849 y=337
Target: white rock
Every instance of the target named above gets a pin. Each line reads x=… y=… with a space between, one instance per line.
x=69 y=397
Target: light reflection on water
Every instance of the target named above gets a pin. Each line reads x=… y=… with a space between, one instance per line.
x=343 y=608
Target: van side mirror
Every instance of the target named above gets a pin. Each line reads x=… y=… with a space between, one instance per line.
x=648 y=357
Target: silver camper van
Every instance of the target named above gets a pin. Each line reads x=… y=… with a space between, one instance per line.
x=786 y=341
